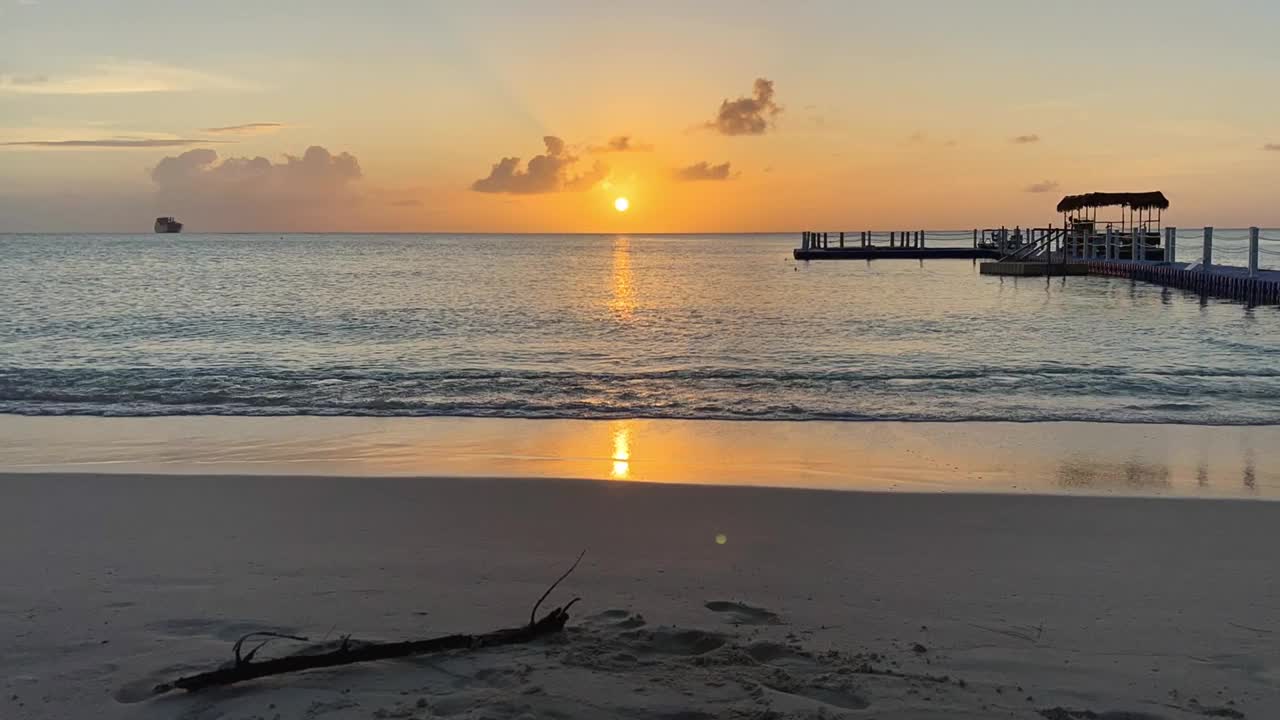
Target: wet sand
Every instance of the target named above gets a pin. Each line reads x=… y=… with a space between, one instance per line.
x=1076 y=458
x=815 y=603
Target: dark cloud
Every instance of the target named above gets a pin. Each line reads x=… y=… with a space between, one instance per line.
x=747 y=115
x=621 y=143
x=1025 y=139
x=703 y=171
x=246 y=129
x=547 y=173
x=107 y=143
x=1043 y=186
x=1271 y=147
x=301 y=192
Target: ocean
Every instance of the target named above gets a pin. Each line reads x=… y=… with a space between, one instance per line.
x=725 y=327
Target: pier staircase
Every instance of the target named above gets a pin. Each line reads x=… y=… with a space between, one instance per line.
x=1045 y=253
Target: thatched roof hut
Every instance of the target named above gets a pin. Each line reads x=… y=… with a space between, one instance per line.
x=1134 y=201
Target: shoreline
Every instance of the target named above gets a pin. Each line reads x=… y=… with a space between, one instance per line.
x=643 y=418
x=1019 y=458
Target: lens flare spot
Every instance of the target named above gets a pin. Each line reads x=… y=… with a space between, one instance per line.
x=722 y=539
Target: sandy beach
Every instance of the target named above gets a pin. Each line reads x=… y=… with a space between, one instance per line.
x=815 y=604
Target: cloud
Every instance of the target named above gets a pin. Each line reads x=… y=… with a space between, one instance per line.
x=255 y=128
x=301 y=192
x=118 y=77
x=1025 y=139
x=1043 y=186
x=109 y=143
x=621 y=143
x=547 y=173
x=747 y=115
x=1271 y=147
x=703 y=171
x=920 y=137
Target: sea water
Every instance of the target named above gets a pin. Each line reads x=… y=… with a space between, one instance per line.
x=603 y=326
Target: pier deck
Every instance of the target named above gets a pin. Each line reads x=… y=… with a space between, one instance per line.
x=1074 y=251
x=1032 y=268
x=1259 y=288
x=912 y=253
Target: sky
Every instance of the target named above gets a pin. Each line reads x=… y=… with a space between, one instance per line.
x=292 y=115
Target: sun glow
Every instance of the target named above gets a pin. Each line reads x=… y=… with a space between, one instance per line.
x=621 y=204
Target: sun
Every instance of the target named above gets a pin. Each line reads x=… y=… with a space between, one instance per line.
x=621 y=204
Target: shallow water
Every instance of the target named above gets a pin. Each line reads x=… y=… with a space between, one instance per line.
x=723 y=327
x=1144 y=460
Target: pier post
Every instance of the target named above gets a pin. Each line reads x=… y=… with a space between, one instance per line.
x=841 y=238
x=1109 y=249
x=1137 y=249
x=1253 y=252
x=921 y=238
x=892 y=235
x=1208 y=246
x=975 y=238
x=804 y=239
x=1170 y=244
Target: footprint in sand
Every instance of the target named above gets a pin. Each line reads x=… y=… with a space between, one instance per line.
x=624 y=619
x=797 y=700
x=674 y=641
x=742 y=614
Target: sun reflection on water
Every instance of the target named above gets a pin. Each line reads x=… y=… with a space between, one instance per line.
x=621 y=453
x=623 y=301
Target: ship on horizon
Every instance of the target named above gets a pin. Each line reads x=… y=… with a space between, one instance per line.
x=168 y=225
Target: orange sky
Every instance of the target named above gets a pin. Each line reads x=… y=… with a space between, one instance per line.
x=875 y=115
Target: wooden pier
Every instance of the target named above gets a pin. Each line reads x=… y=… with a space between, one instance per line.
x=894 y=244
x=886 y=253
x=1136 y=254
x=1262 y=287
x=1035 y=268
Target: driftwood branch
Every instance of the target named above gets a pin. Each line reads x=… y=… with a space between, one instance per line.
x=534 y=612
x=245 y=668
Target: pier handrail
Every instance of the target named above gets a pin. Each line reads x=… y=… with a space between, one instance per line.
x=1035 y=248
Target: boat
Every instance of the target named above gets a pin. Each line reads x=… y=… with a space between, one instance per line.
x=168 y=225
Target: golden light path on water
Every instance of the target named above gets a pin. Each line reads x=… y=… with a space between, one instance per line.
x=622 y=301
x=621 y=453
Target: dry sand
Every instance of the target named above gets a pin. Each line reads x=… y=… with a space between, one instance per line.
x=818 y=604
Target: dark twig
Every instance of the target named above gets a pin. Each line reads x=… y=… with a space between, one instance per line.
x=261 y=633
x=534 y=612
x=349 y=652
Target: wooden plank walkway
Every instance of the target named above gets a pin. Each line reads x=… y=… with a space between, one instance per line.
x=1226 y=281
x=913 y=253
x=1033 y=268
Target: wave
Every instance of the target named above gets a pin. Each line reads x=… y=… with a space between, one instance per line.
x=956 y=394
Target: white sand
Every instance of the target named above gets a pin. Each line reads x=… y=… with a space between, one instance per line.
x=1157 y=608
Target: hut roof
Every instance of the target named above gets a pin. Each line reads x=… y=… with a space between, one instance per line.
x=1137 y=201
